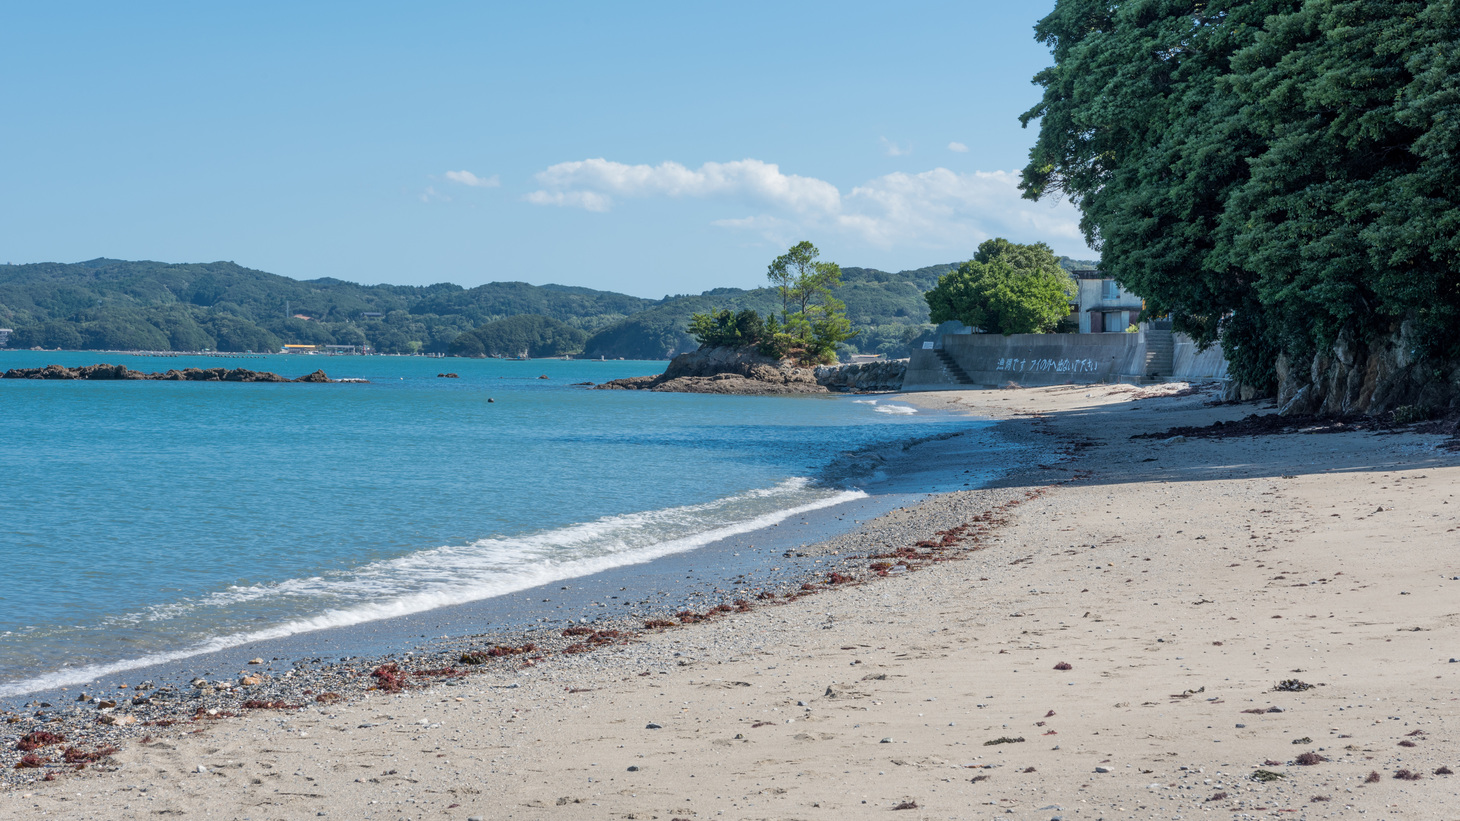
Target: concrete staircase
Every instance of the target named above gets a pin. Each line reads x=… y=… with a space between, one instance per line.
x=1159 y=354
x=952 y=368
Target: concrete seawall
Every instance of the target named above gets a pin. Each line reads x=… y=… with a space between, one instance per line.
x=1037 y=360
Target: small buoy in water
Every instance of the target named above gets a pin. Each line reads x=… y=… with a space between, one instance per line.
x=489 y=399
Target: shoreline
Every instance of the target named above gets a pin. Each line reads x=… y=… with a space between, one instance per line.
x=1112 y=646
x=776 y=557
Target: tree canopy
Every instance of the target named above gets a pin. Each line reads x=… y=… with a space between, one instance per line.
x=1273 y=174
x=1006 y=288
x=812 y=324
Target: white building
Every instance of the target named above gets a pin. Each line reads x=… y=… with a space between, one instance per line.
x=1102 y=305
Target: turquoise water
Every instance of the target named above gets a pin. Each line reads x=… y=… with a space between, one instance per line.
x=153 y=520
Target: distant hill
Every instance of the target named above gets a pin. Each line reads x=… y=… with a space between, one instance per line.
x=108 y=304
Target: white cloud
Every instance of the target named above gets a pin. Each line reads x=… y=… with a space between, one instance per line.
x=468 y=178
x=572 y=183
x=958 y=147
x=893 y=149
x=942 y=207
x=432 y=195
x=587 y=200
x=935 y=209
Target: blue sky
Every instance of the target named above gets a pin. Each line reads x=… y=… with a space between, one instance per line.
x=650 y=148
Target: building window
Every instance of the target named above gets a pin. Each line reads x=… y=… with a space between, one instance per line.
x=1108 y=289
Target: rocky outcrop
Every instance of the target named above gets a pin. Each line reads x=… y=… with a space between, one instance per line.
x=724 y=370
x=1351 y=376
x=863 y=377
x=121 y=372
x=745 y=371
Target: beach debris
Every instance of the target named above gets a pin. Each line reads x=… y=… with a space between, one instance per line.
x=885 y=741
x=652 y=726
x=1217 y=796
x=498 y=651
x=1406 y=775
x=256 y=704
x=256 y=661
x=1292 y=685
x=1303 y=740
x=329 y=698
x=652 y=624
x=31 y=761
x=1309 y=759
x=1443 y=770
x=118 y=721
x=1406 y=743
x=1004 y=740
x=1064 y=665
x=633 y=768
x=38 y=739
x=1373 y=777
x=1103 y=769
x=978 y=778
x=76 y=755
x=1266 y=775
x=907 y=805
x=389 y=678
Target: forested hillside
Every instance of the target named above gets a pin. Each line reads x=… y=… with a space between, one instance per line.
x=108 y=304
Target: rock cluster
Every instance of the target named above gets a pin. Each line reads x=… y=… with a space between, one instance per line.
x=114 y=372
x=745 y=371
x=724 y=370
x=882 y=375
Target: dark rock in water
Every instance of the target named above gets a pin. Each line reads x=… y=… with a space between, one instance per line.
x=121 y=372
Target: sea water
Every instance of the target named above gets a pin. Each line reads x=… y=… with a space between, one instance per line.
x=147 y=521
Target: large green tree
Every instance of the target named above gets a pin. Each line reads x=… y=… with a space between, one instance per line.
x=1006 y=288
x=1276 y=174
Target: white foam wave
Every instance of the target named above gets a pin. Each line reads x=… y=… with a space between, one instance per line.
x=484 y=569
x=902 y=410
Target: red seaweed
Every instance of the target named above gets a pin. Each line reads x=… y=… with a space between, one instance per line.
x=38 y=739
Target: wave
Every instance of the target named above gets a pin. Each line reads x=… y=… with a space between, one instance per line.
x=904 y=410
x=457 y=574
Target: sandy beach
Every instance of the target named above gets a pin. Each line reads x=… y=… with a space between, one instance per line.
x=1169 y=627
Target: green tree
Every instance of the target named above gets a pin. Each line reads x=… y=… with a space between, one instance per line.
x=725 y=328
x=1274 y=174
x=801 y=278
x=1006 y=288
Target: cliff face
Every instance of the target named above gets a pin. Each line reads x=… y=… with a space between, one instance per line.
x=744 y=371
x=1351 y=376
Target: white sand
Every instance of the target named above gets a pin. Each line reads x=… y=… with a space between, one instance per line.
x=1180 y=590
